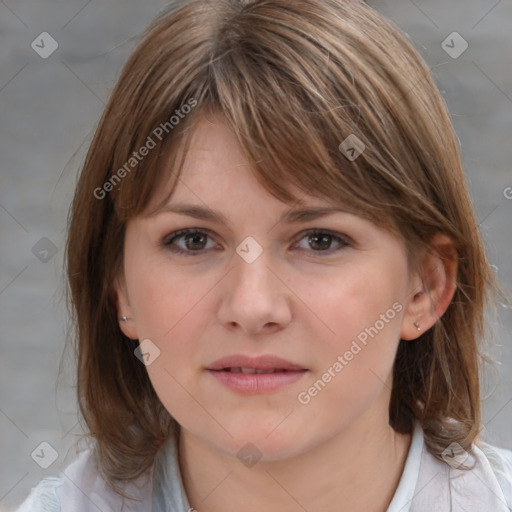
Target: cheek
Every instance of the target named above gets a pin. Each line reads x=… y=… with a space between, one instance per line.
x=344 y=302
x=167 y=300
x=358 y=336
x=171 y=310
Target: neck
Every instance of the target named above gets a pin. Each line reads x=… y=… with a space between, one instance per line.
x=358 y=470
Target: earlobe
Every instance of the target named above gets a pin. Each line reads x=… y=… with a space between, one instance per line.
x=434 y=291
x=124 y=310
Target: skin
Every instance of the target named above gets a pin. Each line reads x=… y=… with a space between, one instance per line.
x=294 y=301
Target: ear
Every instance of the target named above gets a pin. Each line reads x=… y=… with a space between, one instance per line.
x=124 y=310
x=432 y=288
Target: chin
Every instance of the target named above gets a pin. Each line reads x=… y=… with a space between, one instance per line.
x=269 y=444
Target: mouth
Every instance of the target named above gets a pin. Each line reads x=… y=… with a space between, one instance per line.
x=255 y=375
x=241 y=363
x=241 y=369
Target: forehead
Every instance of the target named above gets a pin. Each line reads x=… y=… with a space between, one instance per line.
x=216 y=170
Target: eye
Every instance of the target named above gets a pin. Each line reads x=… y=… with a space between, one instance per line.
x=195 y=241
x=321 y=240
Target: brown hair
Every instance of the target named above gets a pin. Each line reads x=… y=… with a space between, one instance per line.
x=293 y=79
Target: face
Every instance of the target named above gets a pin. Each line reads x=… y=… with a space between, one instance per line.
x=327 y=296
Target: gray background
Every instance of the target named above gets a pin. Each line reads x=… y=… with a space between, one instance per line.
x=49 y=109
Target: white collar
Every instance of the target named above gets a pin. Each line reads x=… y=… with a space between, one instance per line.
x=404 y=493
x=429 y=484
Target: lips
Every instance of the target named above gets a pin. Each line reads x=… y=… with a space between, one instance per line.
x=255 y=375
x=246 y=364
x=252 y=370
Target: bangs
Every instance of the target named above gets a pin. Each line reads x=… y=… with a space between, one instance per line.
x=294 y=117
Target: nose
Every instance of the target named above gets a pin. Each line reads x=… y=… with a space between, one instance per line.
x=254 y=296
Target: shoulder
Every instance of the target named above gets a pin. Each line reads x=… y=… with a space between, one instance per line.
x=80 y=488
x=478 y=479
x=500 y=463
x=43 y=497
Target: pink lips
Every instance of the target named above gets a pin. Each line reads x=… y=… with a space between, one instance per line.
x=253 y=375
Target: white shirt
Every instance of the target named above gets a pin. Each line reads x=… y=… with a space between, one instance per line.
x=426 y=484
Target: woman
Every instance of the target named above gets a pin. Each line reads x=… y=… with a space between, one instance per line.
x=277 y=276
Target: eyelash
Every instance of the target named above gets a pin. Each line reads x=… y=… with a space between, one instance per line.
x=169 y=240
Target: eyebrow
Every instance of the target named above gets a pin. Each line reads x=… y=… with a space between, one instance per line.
x=290 y=216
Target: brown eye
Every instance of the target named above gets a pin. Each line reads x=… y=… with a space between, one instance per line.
x=321 y=241
x=194 y=241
